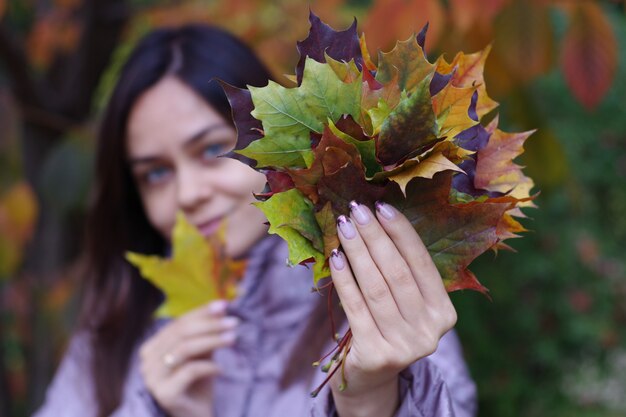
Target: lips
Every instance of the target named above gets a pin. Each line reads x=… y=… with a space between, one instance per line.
x=209 y=228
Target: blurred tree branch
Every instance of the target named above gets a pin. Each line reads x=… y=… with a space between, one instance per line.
x=16 y=63
x=102 y=22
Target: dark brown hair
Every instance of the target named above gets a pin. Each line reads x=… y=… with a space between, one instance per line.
x=117 y=303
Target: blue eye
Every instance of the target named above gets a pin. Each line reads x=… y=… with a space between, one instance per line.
x=156 y=175
x=213 y=150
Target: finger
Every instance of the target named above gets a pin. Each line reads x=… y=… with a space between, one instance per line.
x=188 y=329
x=212 y=310
x=372 y=285
x=410 y=245
x=199 y=347
x=389 y=261
x=184 y=329
x=216 y=308
x=352 y=301
x=189 y=373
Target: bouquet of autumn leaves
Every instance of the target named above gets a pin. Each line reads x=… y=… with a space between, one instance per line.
x=405 y=131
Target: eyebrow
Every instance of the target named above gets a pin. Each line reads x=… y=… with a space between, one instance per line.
x=192 y=140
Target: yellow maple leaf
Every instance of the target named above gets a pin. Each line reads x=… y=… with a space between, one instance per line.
x=198 y=271
x=425 y=168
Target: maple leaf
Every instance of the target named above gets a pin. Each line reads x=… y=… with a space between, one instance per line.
x=328 y=225
x=345 y=185
x=197 y=273
x=279 y=181
x=454 y=234
x=452 y=109
x=346 y=71
x=352 y=133
x=467 y=71
x=289 y=115
x=409 y=129
x=330 y=154
x=407 y=59
x=291 y=217
x=322 y=40
x=495 y=169
x=424 y=168
x=248 y=128
x=365 y=53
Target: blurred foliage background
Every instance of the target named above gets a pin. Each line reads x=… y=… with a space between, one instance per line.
x=552 y=341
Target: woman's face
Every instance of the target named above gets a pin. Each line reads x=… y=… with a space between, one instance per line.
x=173 y=140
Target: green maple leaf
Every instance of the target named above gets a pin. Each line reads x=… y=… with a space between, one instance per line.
x=346 y=71
x=291 y=217
x=377 y=103
x=197 y=273
x=289 y=115
x=380 y=113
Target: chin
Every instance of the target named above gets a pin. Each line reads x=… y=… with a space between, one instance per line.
x=239 y=243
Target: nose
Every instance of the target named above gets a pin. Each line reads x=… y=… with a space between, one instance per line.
x=193 y=189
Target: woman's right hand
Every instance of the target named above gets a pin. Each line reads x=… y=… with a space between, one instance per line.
x=177 y=364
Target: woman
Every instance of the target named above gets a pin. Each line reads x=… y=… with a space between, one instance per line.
x=158 y=149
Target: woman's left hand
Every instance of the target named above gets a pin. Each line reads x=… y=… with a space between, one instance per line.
x=395 y=302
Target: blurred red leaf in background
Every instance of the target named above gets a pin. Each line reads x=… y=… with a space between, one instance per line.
x=524 y=39
x=467 y=14
x=589 y=53
x=390 y=20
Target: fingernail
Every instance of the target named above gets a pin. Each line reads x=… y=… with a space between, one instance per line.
x=336 y=258
x=218 y=306
x=230 y=322
x=346 y=227
x=385 y=210
x=360 y=213
x=229 y=336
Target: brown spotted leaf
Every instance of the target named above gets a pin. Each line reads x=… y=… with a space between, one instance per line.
x=409 y=129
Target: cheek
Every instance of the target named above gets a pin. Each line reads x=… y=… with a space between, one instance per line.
x=243 y=180
x=247 y=222
x=160 y=210
x=245 y=228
